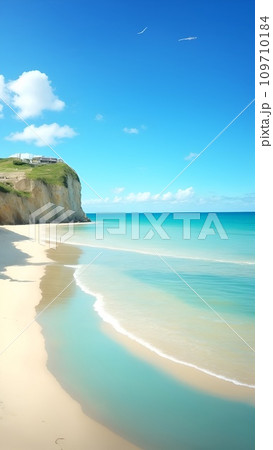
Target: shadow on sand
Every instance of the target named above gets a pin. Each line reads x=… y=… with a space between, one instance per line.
x=9 y=254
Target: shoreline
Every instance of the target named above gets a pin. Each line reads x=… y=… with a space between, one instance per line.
x=193 y=376
x=35 y=411
x=143 y=252
x=186 y=373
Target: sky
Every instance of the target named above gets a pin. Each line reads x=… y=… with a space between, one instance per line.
x=130 y=111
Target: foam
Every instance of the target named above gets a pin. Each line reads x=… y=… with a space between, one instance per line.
x=99 y=307
x=144 y=252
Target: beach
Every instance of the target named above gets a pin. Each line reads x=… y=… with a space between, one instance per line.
x=35 y=411
x=71 y=379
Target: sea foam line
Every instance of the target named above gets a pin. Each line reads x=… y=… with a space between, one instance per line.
x=144 y=252
x=108 y=318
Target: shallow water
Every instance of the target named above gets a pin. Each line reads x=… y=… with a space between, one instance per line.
x=185 y=309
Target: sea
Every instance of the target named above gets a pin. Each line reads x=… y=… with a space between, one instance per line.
x=182 y=287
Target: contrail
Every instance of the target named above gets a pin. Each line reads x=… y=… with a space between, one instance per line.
x=144 y=29
x=188 y=38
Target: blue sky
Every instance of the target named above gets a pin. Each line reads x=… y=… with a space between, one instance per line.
x=129 y=108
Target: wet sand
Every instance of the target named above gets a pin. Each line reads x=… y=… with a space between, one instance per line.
x=35 y=411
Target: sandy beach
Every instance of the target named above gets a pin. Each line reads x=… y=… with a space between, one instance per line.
x=35 y=411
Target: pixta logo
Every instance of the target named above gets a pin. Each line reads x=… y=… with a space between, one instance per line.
x=44 y=224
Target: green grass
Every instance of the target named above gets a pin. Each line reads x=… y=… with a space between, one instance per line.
x=7 y=189
x=55 y=174
x=52 y=173
x=11 y=165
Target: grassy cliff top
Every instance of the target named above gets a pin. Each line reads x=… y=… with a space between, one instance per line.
x=48 y=173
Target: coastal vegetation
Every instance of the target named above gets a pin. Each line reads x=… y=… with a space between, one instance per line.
x=54 y=174
x=7 y=188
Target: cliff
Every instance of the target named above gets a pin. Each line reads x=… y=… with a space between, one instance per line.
x=24 y=189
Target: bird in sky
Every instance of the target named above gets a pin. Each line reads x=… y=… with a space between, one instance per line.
x=187 y=38
x=141 y=32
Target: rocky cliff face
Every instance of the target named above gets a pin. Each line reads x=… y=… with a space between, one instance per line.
x=17 y=209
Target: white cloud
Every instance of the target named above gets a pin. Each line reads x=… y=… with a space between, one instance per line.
x=98 y=117
x=181 y=200
x=190 y=156
x=32 y=93
x=24 y=155
x=117 y=199
x=180 y=196
x=131 y=130
x=167 y=196
x=183 y=194
x=43 y=135
x=118 y=190
x=139 y=197
x=1 y=111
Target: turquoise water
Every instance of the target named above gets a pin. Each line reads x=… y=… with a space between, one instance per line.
x=184 y=308
x=239 y=227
